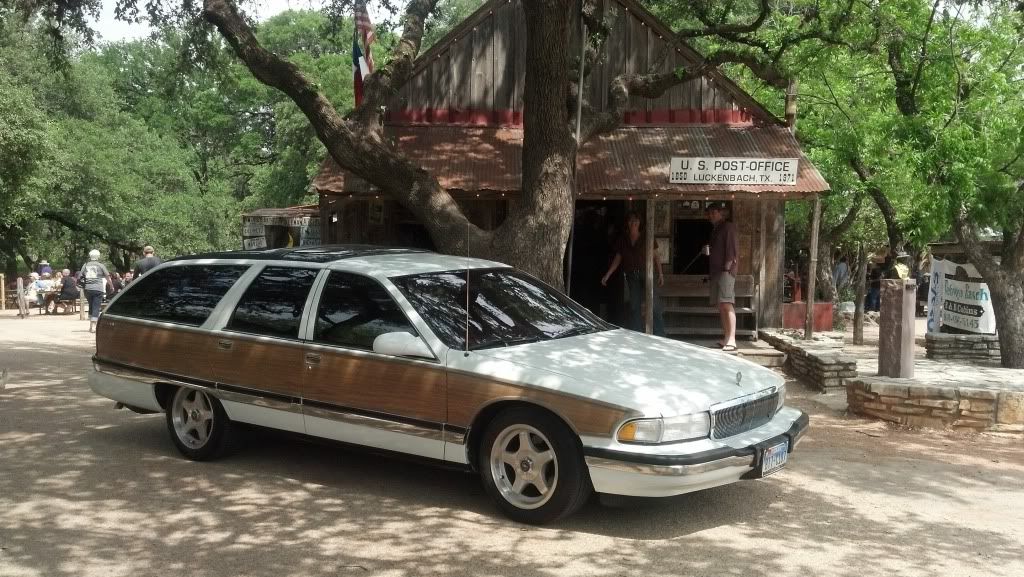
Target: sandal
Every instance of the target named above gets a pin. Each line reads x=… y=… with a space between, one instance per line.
x=729 y=349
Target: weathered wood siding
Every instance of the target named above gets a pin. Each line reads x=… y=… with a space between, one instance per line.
x=475 y=75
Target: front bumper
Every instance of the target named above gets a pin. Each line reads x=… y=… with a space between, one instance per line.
x=647 y=475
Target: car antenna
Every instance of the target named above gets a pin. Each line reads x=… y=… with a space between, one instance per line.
x=466 y=351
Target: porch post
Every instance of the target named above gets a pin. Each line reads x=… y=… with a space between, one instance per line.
x=812 y=271
x=649 y=269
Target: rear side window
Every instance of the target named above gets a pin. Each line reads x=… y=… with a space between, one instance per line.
x=181 y=294
x=273 y=303
x=355 y=310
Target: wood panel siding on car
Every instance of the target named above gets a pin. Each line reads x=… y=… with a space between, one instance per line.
x=469 y=394
x=166 y=349
x=413 y=390
x=266 y=365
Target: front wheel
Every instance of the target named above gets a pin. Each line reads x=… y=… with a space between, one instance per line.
x=532 y=467
x=198 y=424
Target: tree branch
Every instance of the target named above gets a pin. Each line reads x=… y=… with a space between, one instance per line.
x=385 y=81
x=924 y=52
x=357 y=147
x=969 y=239
x=71 y=224
x=722 y=29
x=833 y=235
x=884 y=206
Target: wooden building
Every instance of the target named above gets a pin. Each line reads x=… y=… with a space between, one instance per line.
x=460 y=116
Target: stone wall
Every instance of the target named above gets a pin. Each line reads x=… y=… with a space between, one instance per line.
x=819 y=362
x=944 y=346
x=955 y=408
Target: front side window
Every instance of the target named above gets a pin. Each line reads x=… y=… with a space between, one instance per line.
x=506 y=307
x=354 y=310
x=184 y=294
x=273 y=303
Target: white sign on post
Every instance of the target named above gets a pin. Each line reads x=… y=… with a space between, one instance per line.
x=748 y=171
x=963 y=305
x=968 y=306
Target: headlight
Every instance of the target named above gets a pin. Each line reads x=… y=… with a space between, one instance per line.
x=670 y=430
x=641 y=431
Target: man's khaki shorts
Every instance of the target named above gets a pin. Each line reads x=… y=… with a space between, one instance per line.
x=723 y=288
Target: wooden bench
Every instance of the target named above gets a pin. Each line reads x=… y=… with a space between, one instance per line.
x=688 y=311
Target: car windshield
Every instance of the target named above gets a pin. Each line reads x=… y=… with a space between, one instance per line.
x=506 y=307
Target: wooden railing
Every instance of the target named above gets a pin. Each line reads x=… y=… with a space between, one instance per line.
x=688 y=310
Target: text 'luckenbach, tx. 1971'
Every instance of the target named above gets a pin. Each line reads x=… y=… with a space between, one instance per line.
x=749 y=171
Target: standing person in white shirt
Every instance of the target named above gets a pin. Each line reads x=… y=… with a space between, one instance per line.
x=95 y=278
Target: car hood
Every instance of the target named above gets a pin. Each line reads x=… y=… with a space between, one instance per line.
x=653 y=375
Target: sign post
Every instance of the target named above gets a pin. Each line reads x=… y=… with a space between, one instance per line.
x=963 y=305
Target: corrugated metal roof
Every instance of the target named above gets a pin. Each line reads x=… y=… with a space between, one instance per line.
x=629 y=161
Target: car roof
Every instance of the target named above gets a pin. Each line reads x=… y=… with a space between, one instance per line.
x=378 y=261
x=313 y=254
x=393 y=265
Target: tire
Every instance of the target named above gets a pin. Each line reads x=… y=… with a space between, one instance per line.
x=540 y=482
x=198 y=425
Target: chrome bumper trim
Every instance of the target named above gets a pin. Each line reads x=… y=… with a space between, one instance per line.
x=670 y=470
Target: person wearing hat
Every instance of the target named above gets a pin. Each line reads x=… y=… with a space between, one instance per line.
x=723 y=261
x=96 y=278
x=148 y=262
x=44 y=267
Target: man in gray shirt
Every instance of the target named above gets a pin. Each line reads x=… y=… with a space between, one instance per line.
x=94 y=278
x=148 y=261
x=723 y=263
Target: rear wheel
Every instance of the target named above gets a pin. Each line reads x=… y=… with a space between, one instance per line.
x=198 y=424
x=532 y=467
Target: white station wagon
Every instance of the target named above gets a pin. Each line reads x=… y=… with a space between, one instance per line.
x=463 y=361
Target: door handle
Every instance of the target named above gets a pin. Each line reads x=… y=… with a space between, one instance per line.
x=312 y=359
x=224 y=344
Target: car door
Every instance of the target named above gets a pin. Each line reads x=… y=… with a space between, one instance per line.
x=356 y=395
x=260 y=355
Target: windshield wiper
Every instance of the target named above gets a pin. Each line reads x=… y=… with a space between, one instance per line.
x=504 y=342
x=573 y=332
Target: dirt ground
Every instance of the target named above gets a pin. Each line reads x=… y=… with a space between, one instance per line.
x=89 y=491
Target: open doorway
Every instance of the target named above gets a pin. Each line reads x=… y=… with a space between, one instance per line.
x=690 y=236
x=596 y=229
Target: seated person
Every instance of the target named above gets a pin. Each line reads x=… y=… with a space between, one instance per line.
x=68 y=291
x=39 y=288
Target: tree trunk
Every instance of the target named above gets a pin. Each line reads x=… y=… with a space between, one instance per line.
x=826 y=283
x=1008 y=299
x=1005 y=280
x=536 y=233
x=862 y=291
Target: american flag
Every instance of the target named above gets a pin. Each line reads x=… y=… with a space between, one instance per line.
x=364 y=31
x=362 y=57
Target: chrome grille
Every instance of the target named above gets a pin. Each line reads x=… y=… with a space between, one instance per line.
x=743 y=417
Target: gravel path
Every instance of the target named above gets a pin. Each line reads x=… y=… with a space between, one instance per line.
x=89 y=491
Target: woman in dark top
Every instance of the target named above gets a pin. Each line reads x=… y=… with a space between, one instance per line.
x=631 y=255
x=68 y=291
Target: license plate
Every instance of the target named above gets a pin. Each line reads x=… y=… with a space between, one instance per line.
x=774 y=458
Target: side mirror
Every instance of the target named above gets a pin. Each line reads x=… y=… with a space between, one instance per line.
x=401 y=344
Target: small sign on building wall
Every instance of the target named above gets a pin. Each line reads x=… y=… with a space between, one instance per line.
x=254 y=243
x=745 y=171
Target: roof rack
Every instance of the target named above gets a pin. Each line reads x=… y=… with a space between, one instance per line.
x=316 y=254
